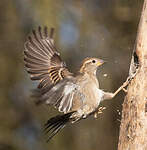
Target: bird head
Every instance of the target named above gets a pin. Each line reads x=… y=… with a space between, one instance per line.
x=91 y=65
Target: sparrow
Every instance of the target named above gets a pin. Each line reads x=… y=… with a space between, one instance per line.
x=77 y=96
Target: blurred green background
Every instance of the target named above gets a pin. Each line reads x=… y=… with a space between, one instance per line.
x=100 y=28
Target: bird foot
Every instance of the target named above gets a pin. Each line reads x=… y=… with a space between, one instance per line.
x=99 y=111
x=125 y=90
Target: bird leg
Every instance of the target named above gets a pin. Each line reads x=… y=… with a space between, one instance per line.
x=99 y=111
x=125 y=90
x=108 y=95
x=121 y=88
x=125 y=84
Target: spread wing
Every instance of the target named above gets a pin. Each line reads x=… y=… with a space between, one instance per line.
x=42 y=61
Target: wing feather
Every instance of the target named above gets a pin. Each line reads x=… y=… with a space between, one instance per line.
x=57 y=85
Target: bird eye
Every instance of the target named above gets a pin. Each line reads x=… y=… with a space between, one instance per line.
x=93 y=61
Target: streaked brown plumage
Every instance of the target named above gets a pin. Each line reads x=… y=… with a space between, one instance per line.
x=77 y=96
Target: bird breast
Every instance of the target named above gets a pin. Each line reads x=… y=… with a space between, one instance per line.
x=93 y=95
x=89 y=95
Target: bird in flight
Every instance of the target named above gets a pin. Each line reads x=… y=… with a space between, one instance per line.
x=77 y=96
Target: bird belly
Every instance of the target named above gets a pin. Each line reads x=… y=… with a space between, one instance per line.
x=91 y=97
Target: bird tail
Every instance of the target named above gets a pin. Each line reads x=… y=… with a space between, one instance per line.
x=55 y=124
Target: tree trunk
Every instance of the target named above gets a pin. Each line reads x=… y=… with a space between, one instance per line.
x=133 y=129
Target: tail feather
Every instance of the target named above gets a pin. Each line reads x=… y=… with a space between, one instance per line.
x=55 y=124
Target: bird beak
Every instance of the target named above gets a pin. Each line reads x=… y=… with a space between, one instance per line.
x=100 y=62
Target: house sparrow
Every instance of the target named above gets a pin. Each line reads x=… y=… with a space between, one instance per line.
x=76 y=95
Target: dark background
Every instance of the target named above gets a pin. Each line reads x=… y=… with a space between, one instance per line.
x=100 y=28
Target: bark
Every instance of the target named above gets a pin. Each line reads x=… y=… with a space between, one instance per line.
x=133 y=129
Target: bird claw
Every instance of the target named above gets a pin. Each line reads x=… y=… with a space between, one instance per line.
x=99 y=111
